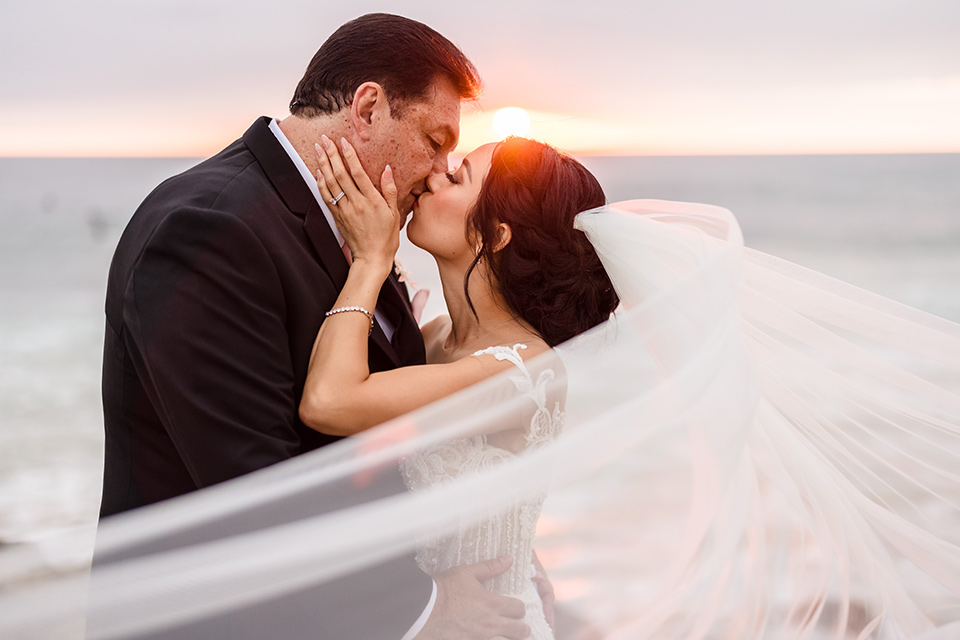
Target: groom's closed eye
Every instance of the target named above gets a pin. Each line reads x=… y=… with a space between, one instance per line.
x=442 y=138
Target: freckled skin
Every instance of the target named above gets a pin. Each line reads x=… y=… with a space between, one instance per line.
x=409 y=144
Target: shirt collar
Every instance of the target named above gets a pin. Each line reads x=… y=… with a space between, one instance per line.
x=305 y=173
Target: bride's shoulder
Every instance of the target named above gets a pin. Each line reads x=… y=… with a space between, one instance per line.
x=434 y=327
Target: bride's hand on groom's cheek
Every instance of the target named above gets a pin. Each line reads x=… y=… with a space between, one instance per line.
x=368 y=219
x=419 y=303
x=466 y=609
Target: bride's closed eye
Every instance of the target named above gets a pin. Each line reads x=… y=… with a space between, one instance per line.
x=451 y=178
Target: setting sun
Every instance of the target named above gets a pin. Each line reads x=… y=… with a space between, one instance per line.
x=511 y=121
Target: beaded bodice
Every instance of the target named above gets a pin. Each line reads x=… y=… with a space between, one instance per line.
x=511 y=531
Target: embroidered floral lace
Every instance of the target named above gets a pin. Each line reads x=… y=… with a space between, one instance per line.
x=509 y=532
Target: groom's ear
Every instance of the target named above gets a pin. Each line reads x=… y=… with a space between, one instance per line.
x=368 y=110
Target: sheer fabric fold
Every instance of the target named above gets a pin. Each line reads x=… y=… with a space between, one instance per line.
x=750 y=450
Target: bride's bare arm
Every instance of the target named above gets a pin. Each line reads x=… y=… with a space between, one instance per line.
x=341 y=396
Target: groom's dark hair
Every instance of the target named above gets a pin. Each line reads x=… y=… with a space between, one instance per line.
x=403 y=56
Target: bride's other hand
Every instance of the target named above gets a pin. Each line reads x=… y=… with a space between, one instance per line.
x=544 y=589
x=370 y=222
x=419 y=302
x=466 y=610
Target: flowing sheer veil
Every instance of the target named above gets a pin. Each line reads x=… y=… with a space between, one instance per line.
x=751 y=449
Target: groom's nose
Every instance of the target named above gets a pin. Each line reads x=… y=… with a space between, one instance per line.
x=433 y=181
x=441 y=163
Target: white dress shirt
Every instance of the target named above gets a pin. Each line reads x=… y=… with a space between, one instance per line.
x=387 y=327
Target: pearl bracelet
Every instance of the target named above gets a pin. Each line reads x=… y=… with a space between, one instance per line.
x=352 y=308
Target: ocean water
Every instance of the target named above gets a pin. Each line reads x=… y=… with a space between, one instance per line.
x=888 y=223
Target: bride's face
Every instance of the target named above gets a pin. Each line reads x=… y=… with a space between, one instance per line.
x=439 y=220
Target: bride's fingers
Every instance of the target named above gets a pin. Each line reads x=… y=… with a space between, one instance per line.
x=338 y=210
x=322 y=186
x=326 y=181
x=389 y=189
x=419 y=302
x=340 y=173
x=357 y=172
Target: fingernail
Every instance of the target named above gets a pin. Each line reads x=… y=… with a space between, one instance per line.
x=389 y=169
x=325 y=140
x=343 y=143
x=316 y=145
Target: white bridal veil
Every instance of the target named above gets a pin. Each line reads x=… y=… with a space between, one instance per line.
x=751 y=450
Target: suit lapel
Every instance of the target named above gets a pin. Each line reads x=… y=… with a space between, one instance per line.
x=296 y=195
x=378 y=337
x=407 y=339
x=325 y=244
x=288 y=182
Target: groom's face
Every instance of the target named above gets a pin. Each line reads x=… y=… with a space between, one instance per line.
x=418 y=143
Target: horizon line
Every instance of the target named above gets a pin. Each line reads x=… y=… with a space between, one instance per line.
x=578 y=154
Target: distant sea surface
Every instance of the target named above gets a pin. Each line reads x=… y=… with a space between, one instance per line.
x=888 y=223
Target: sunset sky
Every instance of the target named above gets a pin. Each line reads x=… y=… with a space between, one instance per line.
x=186 y=77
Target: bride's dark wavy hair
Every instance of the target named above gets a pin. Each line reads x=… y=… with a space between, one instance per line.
x=549 y=274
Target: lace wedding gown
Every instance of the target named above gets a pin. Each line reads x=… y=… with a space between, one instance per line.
x=748 y=450
x=508 y=532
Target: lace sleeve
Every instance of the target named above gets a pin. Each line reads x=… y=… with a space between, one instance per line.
x=545 y=423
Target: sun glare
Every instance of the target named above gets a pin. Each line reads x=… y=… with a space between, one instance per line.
x=511 y=121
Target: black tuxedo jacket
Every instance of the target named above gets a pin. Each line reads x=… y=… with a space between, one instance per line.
x=215 y=295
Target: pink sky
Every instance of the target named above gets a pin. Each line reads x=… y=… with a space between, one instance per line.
x=117 y=79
